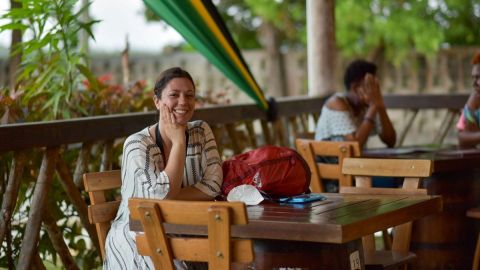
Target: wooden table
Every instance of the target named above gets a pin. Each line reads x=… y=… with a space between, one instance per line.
x=445 y=240
x=321 y=235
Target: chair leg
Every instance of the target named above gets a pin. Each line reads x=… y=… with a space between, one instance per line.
x=476 y=256
x=387 y=240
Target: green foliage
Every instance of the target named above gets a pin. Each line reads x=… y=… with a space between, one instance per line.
x=460 y=19
x=288 y=16
x=396 y=26
x=241 y=21
x=50 y=55
x=54 y=82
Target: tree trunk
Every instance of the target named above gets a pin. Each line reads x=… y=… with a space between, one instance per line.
x=321 y=47
x=106 y=163
x=75 y=197
x=82 y=163
x=35 y=216
x=274 y=63
x=56 y=236
x=125 y=64
x=84 y=37
x=11 y=193
x=15 y=59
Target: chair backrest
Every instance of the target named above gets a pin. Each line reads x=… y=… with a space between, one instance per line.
x=309 y=149
x=410 y=169
x=219 y=250
x=101 y=212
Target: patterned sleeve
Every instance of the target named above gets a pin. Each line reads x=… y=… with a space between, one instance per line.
x=461 y=124
x=211 y=168
x=334 y=123
x=140 y=175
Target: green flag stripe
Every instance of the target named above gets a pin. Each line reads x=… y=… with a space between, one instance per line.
x=183 y=17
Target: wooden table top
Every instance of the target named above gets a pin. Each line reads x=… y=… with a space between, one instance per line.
x=445 y=159
x=338 y=219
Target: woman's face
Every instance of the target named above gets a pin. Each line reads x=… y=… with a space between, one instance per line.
x=179 y=96
x=360 y=96
x=476 y=78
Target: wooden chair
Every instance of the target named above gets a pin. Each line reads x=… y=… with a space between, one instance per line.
x=475 y=213
x=101 y=212
x=412 y=171
x=309 y=149
x=219 y=250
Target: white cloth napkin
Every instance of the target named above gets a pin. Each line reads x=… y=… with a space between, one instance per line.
x=245 y=193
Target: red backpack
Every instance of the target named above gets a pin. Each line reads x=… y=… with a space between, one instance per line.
x=276 y=171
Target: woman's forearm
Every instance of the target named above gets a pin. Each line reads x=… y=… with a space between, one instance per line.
x=387 y=134
x=365 y=128
x=192 y=193
x=469 y=138
x=175 y=168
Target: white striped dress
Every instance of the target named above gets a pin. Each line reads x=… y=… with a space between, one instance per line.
x=143 y=176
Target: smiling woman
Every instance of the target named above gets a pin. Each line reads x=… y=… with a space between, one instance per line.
x=172 y=159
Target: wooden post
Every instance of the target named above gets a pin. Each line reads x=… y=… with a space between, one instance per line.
x=82 y=163
x=279 y=128
x=11 y=193
x=44 y=181
x=251 y=134
x=407 y=127
x=37 y=263
x=292 y=120
x=276 y=83
x=232 y=133
x=106 y=163
x=321 y=46
x=15 y=59
x=56 y=237
x=445 y=126
x=76 y=198
x=217 y=132
x=266 y=133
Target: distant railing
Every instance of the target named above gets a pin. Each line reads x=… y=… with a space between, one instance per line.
x=236 y=128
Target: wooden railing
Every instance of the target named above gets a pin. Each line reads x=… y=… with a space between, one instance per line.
x=94 y=139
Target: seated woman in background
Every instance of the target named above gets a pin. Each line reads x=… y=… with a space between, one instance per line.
x=469 y=123
x=355 y=115
x=173 y=159
x=358 y=113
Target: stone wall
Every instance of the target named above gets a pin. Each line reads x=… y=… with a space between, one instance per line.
x=447 y=71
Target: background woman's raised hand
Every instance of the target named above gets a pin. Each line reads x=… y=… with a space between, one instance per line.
x=372 y=89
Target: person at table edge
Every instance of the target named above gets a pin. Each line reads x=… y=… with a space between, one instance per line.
x=469 y=123
x=359 y=112
x=172 y=159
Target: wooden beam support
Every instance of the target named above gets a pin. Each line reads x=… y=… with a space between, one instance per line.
x=11 y=192
x=75 y=197
x=31 y=236
x=56 y=236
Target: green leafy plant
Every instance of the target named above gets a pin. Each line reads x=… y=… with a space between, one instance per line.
x=51 y=58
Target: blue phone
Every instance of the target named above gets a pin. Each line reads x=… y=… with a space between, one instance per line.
x=304 y=198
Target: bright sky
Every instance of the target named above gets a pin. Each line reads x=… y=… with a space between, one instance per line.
x=119 y=18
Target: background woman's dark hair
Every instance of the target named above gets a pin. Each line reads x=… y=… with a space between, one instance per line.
x=476 y=59
x=167 y=75
x=356 y=70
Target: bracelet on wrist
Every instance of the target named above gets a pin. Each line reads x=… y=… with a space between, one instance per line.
x=369 y=119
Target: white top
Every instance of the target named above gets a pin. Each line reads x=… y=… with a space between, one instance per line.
x=143 y=176
x=334 y=124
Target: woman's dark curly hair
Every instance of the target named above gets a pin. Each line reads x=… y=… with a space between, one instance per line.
x=356 y=70
x=166 y=76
